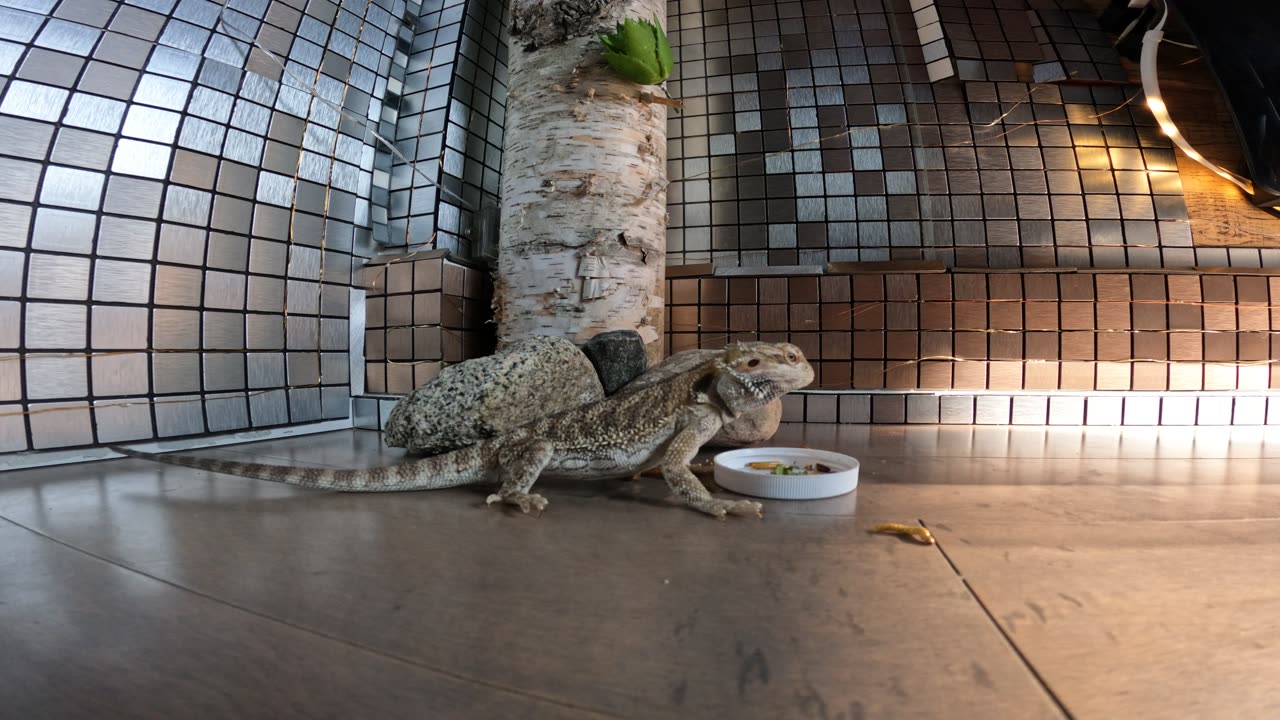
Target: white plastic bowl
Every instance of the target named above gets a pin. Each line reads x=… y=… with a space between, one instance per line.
x=732 y=473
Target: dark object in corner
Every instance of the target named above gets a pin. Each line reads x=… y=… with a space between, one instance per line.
x=618 y=357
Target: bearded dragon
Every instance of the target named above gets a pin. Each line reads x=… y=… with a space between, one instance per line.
x=662 y=425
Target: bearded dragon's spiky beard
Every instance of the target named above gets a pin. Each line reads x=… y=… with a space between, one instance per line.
x=753 y=390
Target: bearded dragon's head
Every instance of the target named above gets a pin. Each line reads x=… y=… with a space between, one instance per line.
x=752 y=374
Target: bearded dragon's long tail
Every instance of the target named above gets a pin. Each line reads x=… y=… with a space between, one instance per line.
x=460 y=467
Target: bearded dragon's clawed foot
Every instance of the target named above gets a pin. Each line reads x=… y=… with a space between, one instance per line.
x=719 y=508
x=525 y=501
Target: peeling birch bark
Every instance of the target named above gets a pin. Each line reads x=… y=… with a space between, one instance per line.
x=584 y=188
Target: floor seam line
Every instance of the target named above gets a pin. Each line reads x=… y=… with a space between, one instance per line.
x=1026 y=661
x=316 y=633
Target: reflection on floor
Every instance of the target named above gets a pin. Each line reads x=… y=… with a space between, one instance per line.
x=1091 y=573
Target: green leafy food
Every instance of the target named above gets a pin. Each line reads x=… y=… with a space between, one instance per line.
x=638 y=51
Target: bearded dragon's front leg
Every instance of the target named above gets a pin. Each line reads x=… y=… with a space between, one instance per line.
x=701 y=426
x=520 y=471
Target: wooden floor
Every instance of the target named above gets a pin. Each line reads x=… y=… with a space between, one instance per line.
x=1096 y=573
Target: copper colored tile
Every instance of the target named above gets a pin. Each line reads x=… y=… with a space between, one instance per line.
x=1005 y=286
x=803 y=289
x=1185 y=288
x=1150 y=376
x=935 y=287
x=971 y=315
x=836 y=316
x=713 y=291
x=1005 y=315
x=400 y=277
x=1112 y=287
x=970 y=286
x=774 y=337
x=713 y=342
x=836 y=375
x=1040 y=376
x=935 y=316
x=835 y=288
x=1077 y=316
x=1041 y=315
x=902 y=287
x=1113 y=376
x=1219 y=377
x=426 y=308
x=935 y=344
x=738 y=337
x=970 y=345
x=375 y=344
x=804 y=317
x=1275 y=377
x=1078 y=346
x=1041 y=345
x=425 y=372
x=399 y=379
x=713 y=318
x=452 y=343
x=1220 y=347
x=1148 y=316
x=1004 y=375
x=1113 y=315
x=684 y=291
x=375 y=377
x=868 y=374
x=428 y=274
x=1076 y=286
x=901 y=376
x=1219 y=317
x=935 y=374
x=1251 y=290
x=455 y=281
x=902 y=315
x=426 y=344
x=684 y=319
x=868 y=345
x=836 y=345
x=1077 y=375
x=1186 y=376
x=742 y=291
x=969 y=375
x=1151 y=346
x=773 y=291
x=1218 y=288
x=868 y=287
x=1114 y=346
x=902 y=345
x=399 y=345
x=773 y=318
x=1148 y=287
x=1253 y=317
x=1005 y=346
x=742 y=318
x=1040 y=286
x=1186 y=317
x=683 y=341
x=810 y=343
x=1253 y=346
x=868 y=316
x=1186 y=346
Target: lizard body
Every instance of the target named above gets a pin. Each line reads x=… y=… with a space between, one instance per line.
x=663 y=425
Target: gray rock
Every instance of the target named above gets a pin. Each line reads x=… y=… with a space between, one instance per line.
x=618 y=356
x=750 y=428
x=484 y=397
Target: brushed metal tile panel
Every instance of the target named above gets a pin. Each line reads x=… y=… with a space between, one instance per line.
x=187 y=205
x=302 y=333
x=226 y=412
x=20 y=26
x=335 y=402
x=1142 y=411
x=148 y=123
x=11 y=377
x=236 y=179
x=335 y=335
x=272 y=222
x=334 y=368
x=228 y=252
x=119 y=374
x=144 y=159
x=57 y=277
x=175 y=329
x=265 y=294
x=64 y=231
x=34 y=101
x=175 y=372
x=264 y=332
x=68 y=36
x=855 y=409
x=304 y=405
x=1250 y=411
x=191 y=168
x=121 y=281
x=132 y=196
x=179 y=415
x=303 y=297
x=95 y=113
x=923 y=409
x=123 y=419
x=69 y=187
x=13 y=429
x=181 y=244
x=224 y=371
x=304 y=368
x=138 y=22
x=162 y=92
x=14 y=220
x=956 y=409
x=269 y=408
x=52 y=377
x=1215 y=410
x=232 y=214
x=25 y=138
x=87 y=12
x=268 y=258
x=223 y=331
x=82 y=148
x=1104 y=410
x=224 y=290
x=335 y=300
x=56 y=326
x=10 y=322
x=365 y=411
x=18 y=179
x=202 y=136
x=178 y=286
x=304 y=263
x=266 y=370
x=68 y=425
x=122 y=50
x=119 y=328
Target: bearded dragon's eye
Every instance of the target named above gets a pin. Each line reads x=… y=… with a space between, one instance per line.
x=753 y=362
x=791 y=357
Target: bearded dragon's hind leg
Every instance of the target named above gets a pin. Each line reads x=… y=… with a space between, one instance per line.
x=520 y=472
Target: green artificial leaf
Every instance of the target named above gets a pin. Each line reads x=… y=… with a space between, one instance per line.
x=638 y=51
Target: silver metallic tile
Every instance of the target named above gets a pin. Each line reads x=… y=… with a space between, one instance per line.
x=265 y=294
x=302 y=333
x=175 y=329
x=956 y=409
x=55 y=425
x=145 y=159
x=132 y=196
x=13 y=429
x=304 y=404
x=335 y=402
x=1030 y=410
x=1142 y=410
x=10 y=53
x=178 y=286
x=232 y=214
x=109 y=80
x=18 y=25
x=68 y=37
x=18 y=179
x=334 y=334
x=11 y=377
x=223 y=290
x=304 y=368
x=224 y=371
x=335 y=369
x=69 y=187
x=126 y=238
x=190 y=168
x=266 y=370
x=243 y=147
x=264 y=332
x=1104 y=410
x=120 y=281
x=122 y=419
x=64 y=231
x=187 y=205
x=162 y=92
x=223 y=331
x=182 y=244
x=227 y=412
x=25 y=138
x=228 y=252
x=202 y=136
x=992 y=410
x=179 y=415
x=148 y=123
x=95 y=113
x=52 y=377
x=51 y=68
x=119 y=374
x=175 y=372
x=269 y=408
x=84 y=149
x=123 y=50
x=57 y=277
x=119 y=328
x=10 y=319
x=34 y=101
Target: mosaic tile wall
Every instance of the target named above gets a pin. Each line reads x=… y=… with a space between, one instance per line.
x=423 y=313
x=179 y=228
x=812 y=133
x=1000 y=331
x=450 y=122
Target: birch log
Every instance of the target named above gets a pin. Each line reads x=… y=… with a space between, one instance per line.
x=584 y=188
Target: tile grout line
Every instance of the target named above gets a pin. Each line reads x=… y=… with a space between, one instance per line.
x=1026 y=662
x=317 y=633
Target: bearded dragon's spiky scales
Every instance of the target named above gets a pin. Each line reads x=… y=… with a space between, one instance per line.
x=661 y=425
